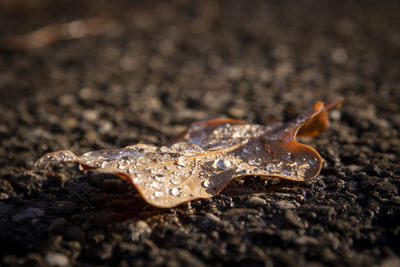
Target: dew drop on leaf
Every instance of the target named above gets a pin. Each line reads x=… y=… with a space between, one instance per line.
x=176 y=192
x=174 y=181
x=181 y=162
x=243 y=167
x=221 y=164
x=206 y=183
x=270 y=167
x=158 y=194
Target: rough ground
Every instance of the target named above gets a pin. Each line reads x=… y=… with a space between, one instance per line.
x=164 y=65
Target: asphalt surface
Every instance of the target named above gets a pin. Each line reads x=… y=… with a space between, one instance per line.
x=153 y=68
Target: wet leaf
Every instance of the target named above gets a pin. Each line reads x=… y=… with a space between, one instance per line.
x=209 y=155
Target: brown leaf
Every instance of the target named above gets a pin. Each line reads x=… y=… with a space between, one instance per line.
x=209 y=155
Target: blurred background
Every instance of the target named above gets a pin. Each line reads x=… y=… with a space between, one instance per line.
x=167 y=63
x=103 y=73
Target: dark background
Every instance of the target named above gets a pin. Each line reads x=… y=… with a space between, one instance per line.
x=157 y=66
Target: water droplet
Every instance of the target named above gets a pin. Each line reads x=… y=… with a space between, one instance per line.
x=158 y=194
x=137 y=180
x=246 y=151
x=270 y=167
x=206 y=184
x=167 y=167
x=286 y=156
x=155 y=171
x=122 y=167
x=254 y=162
x=243 y=167
x=181 y=162
x=236 y=135
x=293 y=164
x=176 y=192
x=286 y=173
x=174 y=181
x=156 y=185
x=141 y=160
x=105 y=164
x=159 y=178
x=164 y=149
x=189 y=153
x=221 y=164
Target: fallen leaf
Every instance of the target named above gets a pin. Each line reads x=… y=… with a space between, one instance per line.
x=209 y=155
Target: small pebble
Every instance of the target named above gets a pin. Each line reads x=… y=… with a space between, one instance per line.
x=211 y=218
x=291 y=220
x=284 y=205
x=255 y=202
x=139 y=231
x=57 y=259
